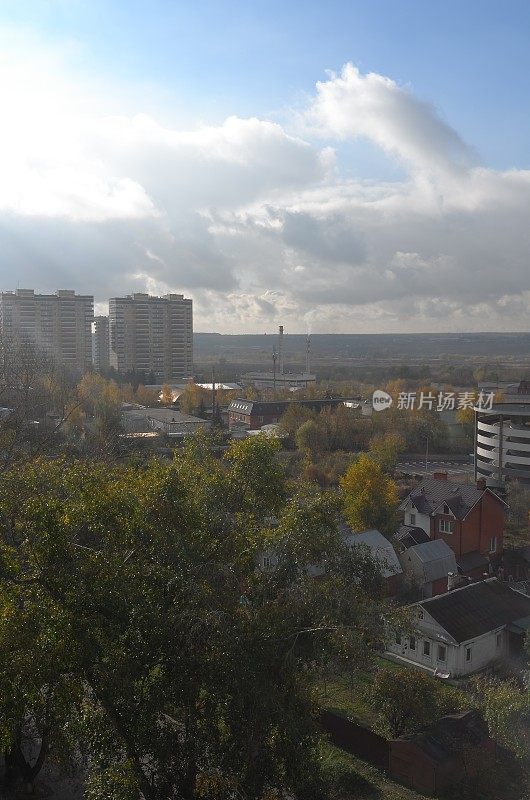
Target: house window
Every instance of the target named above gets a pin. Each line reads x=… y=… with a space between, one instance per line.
x=498 y=640
x=398 y=638
x=413 y=519
x=267 y=562
x=412 y=643
x=468 y=654
x=445 y=526
x=427 y=648
x=420 y=613
x=442 y=652
x=493 y=544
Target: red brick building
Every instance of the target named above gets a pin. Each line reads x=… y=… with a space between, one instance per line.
x=469 y=518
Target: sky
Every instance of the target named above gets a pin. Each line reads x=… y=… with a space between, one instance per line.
x=335 y=167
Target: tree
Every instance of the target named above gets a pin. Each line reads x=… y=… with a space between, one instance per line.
x=311 y=437
x=385 y=448
x=167 y=395
x=370 y=496
x=137 y=634
x=406 y=699
x=506 y=709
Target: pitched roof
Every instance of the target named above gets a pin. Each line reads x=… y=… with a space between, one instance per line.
x=477 y=609
x=443 y=740
x=409 y=535
x=380 y=548
x=436 y=558
x=460 y=498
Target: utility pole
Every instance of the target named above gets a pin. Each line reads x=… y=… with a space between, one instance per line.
x=274 y=357
x=426 y=453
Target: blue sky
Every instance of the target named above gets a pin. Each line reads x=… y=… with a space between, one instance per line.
x=213 y=57
x=340 y=166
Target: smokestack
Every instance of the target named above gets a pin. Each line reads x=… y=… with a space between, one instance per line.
x=280 y=349
x=308 y=355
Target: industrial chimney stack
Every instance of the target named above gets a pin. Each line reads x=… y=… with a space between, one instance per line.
x=308 y=355
x=280 y=349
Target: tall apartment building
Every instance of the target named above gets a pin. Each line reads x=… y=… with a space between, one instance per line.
x=152 y=335
x=59 y=324
x=101 y=344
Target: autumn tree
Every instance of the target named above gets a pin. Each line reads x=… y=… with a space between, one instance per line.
x=137 y=634
x=370 y=497
x=406 y=699
x=385 y=448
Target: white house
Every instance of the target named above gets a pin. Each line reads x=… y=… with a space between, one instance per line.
x=465 y=630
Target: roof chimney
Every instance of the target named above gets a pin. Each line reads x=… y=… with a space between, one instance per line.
x=481 y=484
x=440 y=476
x=280 y=349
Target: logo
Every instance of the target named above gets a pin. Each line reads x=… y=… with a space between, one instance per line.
x=381 y=400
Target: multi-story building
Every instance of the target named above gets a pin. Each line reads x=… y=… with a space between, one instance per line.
x=100 y=344
x=469 y=518
x=58 y=324
x=153 y=335
x=502 y=438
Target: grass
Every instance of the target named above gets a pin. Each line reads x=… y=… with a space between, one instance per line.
x=349 y=694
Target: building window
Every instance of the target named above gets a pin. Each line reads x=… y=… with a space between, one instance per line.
x=427 y=648
x=267 y=562
x=412 y=643
x=413 y=519
x=420 y=613
x=468 y=654
x=442 y=652
x=493 y=544
x=398 y=638
x=498 y=640
x=445 y=526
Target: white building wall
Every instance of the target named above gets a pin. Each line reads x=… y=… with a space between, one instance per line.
x=484 y=649
x=420 y=520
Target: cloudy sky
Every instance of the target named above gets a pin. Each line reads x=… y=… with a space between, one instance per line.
x=338 y=167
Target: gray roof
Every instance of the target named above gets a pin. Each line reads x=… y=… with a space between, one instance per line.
x=432 y=493
x=409 y=535
x=436 y=558
x=381 y=550
x=477 y=609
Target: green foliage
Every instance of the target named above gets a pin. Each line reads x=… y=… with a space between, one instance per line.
x=406 y=700
x=385 y=448
x=137 y=633
x=370 y=496
x=506 y=709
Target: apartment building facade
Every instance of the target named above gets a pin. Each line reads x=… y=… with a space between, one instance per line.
x=58 y=324
x=153 y=335
x=101 y=344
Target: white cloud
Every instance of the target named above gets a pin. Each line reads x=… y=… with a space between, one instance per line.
x=254 y=219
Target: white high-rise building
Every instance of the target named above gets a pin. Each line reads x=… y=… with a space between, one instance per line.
x=100 y=344
x=153 y=335
x=58 y=324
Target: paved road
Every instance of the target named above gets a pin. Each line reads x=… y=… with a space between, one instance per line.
x=418 y=467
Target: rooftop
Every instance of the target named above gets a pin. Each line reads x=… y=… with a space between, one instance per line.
x=432 y=493
x=477 y=609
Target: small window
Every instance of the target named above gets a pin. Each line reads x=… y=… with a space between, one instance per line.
x=413 y=519
x=493 y=544
x=398 y=638
x=498 y=641
x=412 y=643
x=468 y=654
x=442 y=652
x=445 y=526
x=267 y=562
x=427 y=648
x=420 y=613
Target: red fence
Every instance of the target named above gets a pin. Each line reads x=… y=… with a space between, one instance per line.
x=355 y=739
